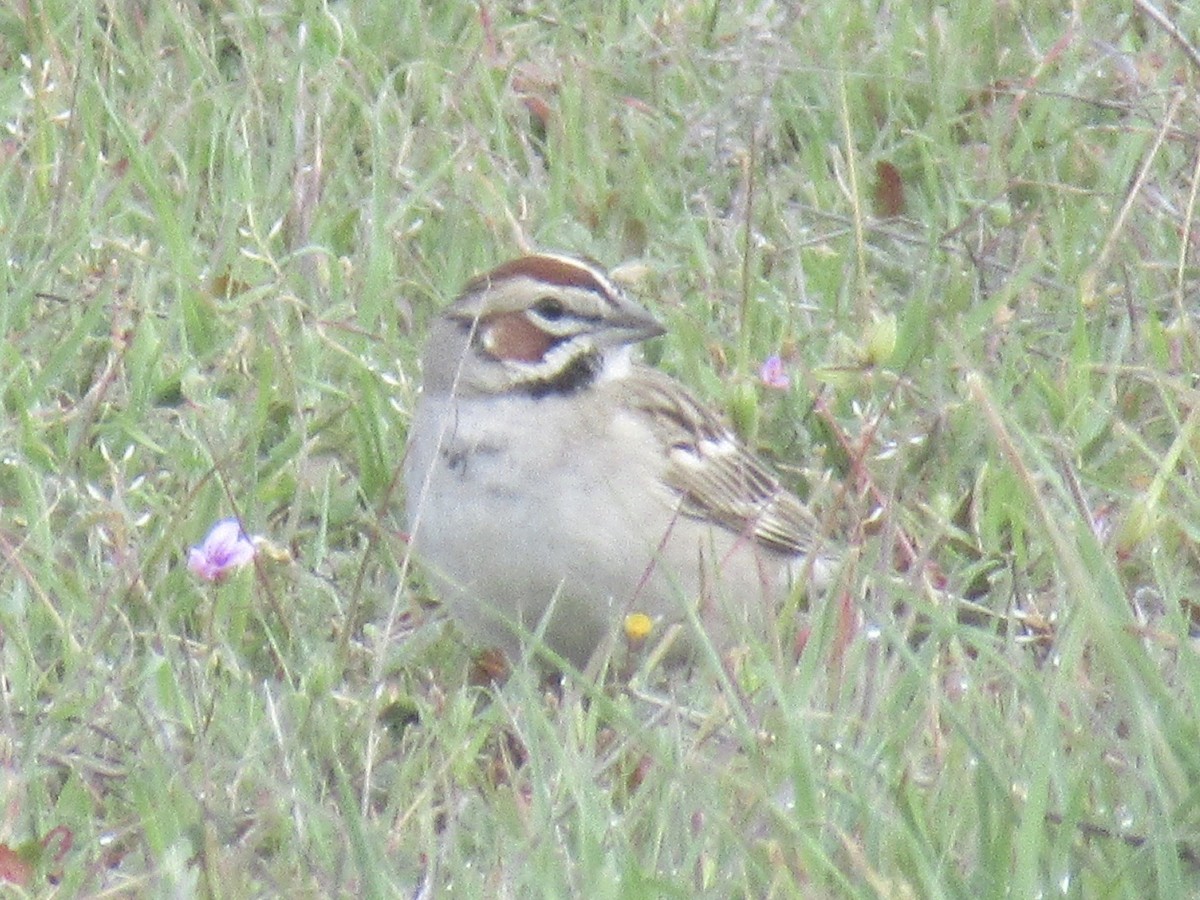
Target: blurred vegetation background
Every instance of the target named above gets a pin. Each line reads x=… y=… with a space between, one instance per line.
x=967 y=230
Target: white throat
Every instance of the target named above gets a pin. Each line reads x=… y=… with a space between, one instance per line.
x=618 y=363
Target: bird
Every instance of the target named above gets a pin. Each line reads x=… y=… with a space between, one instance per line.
x=558 y=489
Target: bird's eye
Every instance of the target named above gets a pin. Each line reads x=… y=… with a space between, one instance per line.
x=549 y=308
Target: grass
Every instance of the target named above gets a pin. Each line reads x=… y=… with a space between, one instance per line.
x=223 y=228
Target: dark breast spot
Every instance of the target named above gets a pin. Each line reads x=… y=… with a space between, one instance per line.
x=458 y=457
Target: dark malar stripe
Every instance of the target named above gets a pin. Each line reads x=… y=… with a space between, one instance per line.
x=578 y=374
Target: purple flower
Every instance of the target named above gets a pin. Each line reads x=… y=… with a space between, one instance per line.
x=224 y=549
x=774 y=375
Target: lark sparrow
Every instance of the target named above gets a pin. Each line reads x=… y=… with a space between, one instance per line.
x=555 y=486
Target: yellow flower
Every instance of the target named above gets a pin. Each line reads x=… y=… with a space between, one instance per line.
x=638 y=627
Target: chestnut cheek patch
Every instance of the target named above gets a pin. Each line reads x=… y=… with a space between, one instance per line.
x=511 y=336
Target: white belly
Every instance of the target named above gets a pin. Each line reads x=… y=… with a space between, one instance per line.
x=524 y=520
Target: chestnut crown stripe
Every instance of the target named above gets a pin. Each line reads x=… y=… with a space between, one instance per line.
x=552 y=270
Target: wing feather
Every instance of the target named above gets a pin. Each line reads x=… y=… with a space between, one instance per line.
x=717 y=477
